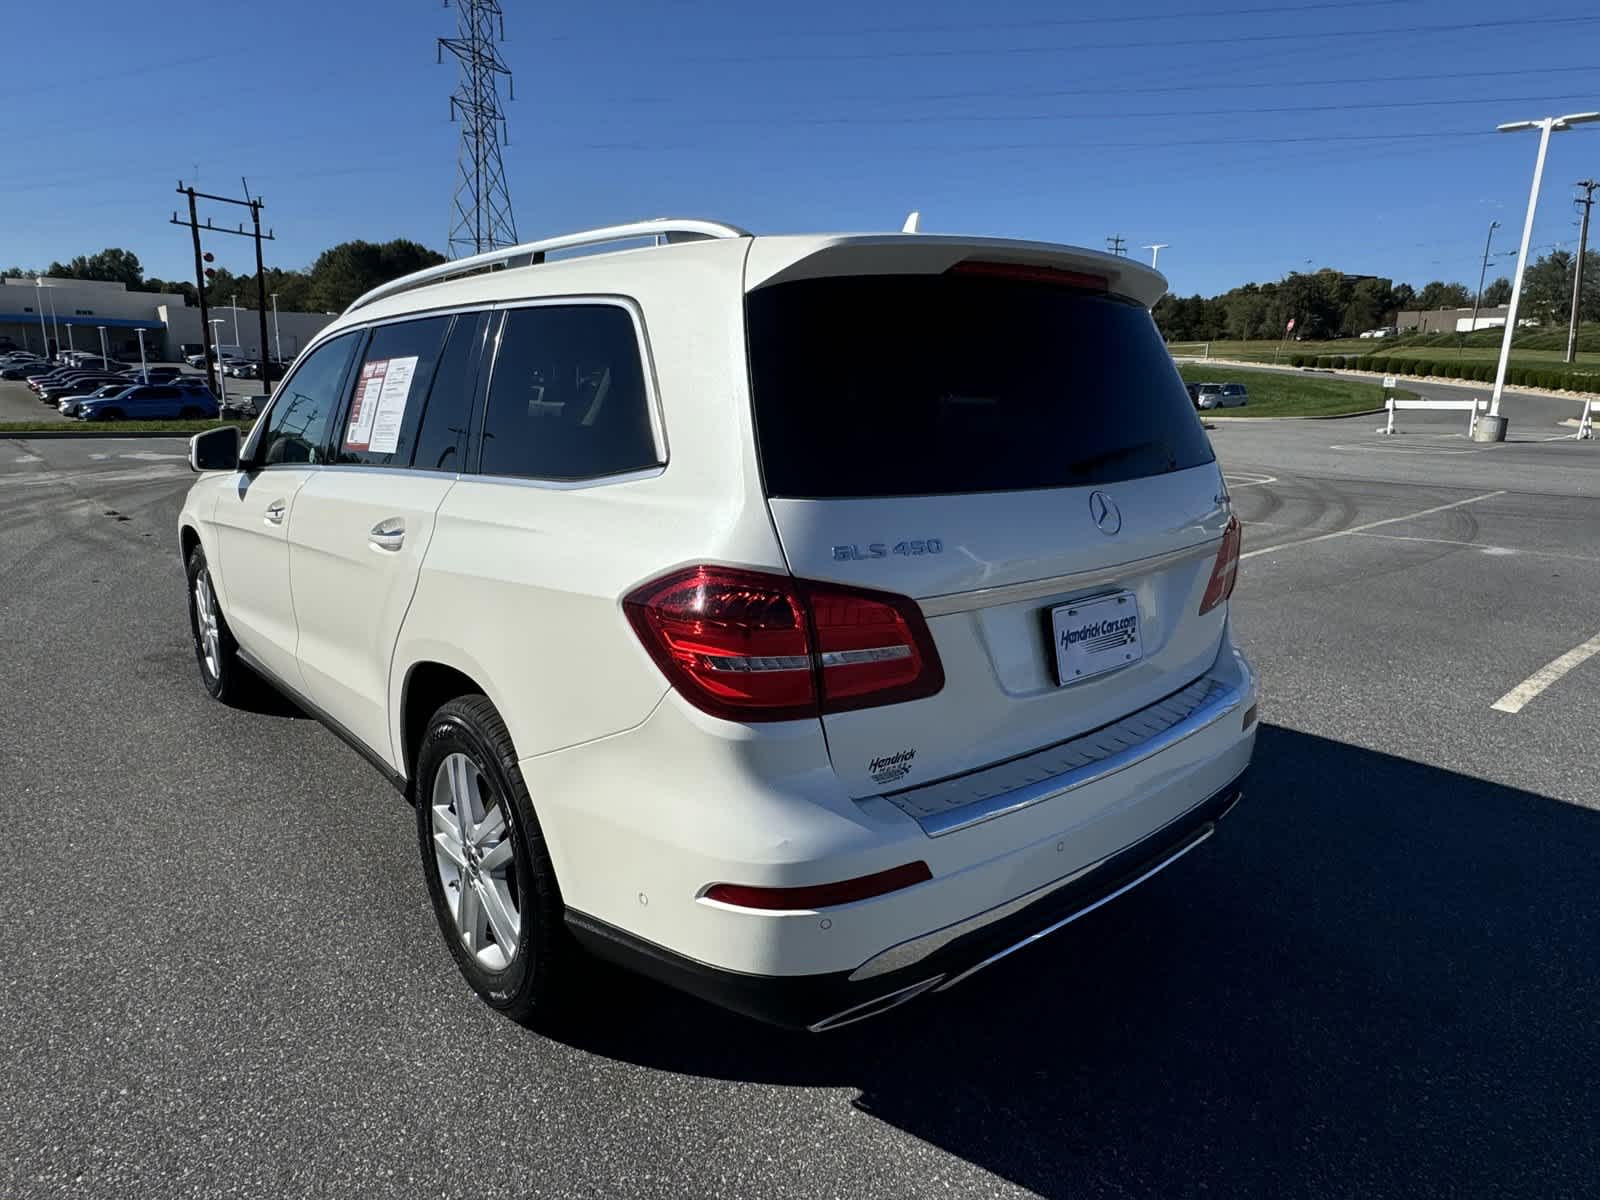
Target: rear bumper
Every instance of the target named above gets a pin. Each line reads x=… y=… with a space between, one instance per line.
x=827 y=1001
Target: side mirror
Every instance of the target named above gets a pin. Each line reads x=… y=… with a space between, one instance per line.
x=215 y=450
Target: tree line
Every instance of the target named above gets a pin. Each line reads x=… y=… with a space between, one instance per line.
x=339 y=275
x=1331 y=304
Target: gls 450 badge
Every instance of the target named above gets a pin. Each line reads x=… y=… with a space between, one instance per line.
x=913 y=548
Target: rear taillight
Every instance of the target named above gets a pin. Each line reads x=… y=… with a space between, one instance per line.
x=820 y=895
x=753 y=646
x=1225 y=570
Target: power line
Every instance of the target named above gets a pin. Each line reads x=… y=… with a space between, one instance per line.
x=1224 y=84
x=1078 y=47
x=1014 y=118
x=1275 y=10
x=481 y=207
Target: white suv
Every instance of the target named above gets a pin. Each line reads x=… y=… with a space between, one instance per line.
x=806 y=622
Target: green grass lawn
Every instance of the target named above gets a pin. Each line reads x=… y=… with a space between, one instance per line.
x=1291 y=395
x=100 y=427
x=1533 y=347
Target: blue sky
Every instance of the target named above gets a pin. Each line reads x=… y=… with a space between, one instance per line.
x=1356 y=135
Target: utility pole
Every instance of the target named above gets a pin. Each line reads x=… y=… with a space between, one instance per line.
x=261 y=289
x=255 y=205
x=1117 y=244
x=481 y=218
x=1588 y=186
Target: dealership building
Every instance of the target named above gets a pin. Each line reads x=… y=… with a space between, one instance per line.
x=47 y=314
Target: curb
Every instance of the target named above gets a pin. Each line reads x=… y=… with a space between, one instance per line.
x=1366 y=412
x=33 y=435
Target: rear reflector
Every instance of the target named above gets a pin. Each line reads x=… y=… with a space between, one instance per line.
x=1249 y=717
x=753 y=646
x=821 y=895
x=1225 y=570
x=1031 y=273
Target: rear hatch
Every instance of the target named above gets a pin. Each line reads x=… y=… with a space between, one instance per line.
x=1010 y=445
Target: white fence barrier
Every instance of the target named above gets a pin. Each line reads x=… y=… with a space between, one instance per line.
x=1474 y=406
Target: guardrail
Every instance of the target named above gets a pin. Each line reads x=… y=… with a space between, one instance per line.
x=1475 y=406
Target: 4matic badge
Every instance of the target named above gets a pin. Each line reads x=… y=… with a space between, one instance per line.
x=895 y=766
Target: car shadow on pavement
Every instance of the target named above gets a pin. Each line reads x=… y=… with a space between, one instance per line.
x=1379 y=978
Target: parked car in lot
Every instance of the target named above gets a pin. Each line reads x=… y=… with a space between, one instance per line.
x=21 y=370
x=156 y=375
x=252 y=369
x=805 y=700
x=52 y=393
x=150 y=402
x=1220 y=395
x=69 y=405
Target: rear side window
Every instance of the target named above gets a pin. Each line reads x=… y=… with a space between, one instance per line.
x=390 y=391
x=567 y=399
x=301 y=417
x=907 y=385
x=447 y=419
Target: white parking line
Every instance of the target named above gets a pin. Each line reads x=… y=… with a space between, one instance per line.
x=1484 y=547
x=1338 y=533
x=1530 y=687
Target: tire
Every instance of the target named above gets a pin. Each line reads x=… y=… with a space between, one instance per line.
x=189 y=414
x=466 y=746
x=223 y=675
x=112 y=414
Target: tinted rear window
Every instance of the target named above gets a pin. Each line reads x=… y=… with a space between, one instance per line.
x=903 y=385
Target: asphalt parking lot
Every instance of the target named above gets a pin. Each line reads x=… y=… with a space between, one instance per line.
x=221 y=976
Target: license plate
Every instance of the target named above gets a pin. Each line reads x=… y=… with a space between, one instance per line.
x=1096 y=636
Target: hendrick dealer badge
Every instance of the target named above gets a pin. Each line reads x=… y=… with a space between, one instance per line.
x=1096 y=636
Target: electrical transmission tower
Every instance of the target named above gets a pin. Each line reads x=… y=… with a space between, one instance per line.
x=481 y=210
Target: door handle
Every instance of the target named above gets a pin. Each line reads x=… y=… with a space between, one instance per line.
x=274 y=513
x=388 y=534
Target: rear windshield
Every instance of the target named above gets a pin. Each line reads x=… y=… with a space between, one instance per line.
x=907 y=385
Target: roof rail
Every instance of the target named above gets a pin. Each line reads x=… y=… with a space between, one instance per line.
x=673 y=229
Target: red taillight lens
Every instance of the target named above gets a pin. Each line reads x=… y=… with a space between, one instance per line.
x=821 y=895
x=1226 y=569
x=873 y=648
x=752 y=646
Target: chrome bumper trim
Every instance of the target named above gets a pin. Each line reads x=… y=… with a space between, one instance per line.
x=954 y=804
x=1205 y=833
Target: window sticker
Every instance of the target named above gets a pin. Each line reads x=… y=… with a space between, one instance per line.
x=379 y=407
x=390 y=410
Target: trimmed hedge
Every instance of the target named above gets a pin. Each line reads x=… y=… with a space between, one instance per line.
x=1545 y=378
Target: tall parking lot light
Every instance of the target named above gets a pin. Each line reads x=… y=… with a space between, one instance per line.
x=222 y=376
x=105 y=355
x=44 y=334
x=1546 y=126
x=144 y=367
x=277 y=335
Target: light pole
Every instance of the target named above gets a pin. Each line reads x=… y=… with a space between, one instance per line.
x=44 y=333
x=1155 y=249
x=234 y=304
x=277 y=335
x=144 y=368
x=1496 y=426
x=105 y=355
x=1482 y=271
x=56 y=325
x=222 y=378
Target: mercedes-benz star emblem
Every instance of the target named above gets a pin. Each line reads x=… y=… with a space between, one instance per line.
x=1107 y=517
